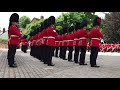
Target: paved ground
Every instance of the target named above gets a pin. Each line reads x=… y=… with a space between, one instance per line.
x=29 y=67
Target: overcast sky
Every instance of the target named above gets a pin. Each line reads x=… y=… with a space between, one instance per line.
x=4 y=16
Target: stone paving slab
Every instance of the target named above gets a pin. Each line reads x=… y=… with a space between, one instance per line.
x=29 y=67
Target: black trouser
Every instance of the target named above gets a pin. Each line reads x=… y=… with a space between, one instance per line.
x=64 y=48
x=56 y=51
x=70 y=49
x=24 y=48
x=34 y=51
x=60 y=54
x=82 y=54
x=53 y=49
x=49 y=54
x=76 y=54
x=44 y=53
x=8 y=52
x=31 y=51
x=39 y=53
x=11 y=54
x=93 y=55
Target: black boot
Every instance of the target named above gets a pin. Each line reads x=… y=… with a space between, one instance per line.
x=95 y=66
x=14 y=65
x=51 y=64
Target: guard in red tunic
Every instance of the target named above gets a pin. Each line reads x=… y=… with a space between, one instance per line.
x=40 y=38
x=76 y=42
x=83 y=35
x=64 y=42
x=57 y=44
x=70 y=38
x=14 y=35
x=24 y=44
x=31 y=44
x=52 y=34
x=37 y=43
x=44 y=42
x=94 y=35
x=60 y=43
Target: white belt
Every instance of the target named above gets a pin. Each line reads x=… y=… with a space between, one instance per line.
x=14 y=36
x=96 y=38
x=51 y=37
x=83 y=38
x=56 y=41
x=65 y=40
x=69 y=40
x=45 y=37
x=76 y=39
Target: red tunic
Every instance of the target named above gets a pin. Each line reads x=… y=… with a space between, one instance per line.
x=70 y=38
x=83 y=37
x=51 y=36
x=31 y=39
x=76 y=38
x=64 y=40
x=34 y=40
x=60 y=40
x=94 y=35
x=14 y=35
x=40 y=39
x=57 y=41
x=24 y=42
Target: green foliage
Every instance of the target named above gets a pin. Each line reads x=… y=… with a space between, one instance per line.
x=70 y=18
x=24 y=20
x=3 y=41
x=112 y=27
x=32 y=26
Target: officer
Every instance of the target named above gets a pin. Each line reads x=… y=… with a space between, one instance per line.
x=14 y=40
x=94 y=35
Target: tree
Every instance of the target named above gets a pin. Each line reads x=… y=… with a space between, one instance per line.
x=112 y=27
x=70 y=18
x=32 y=26
x=24 y=20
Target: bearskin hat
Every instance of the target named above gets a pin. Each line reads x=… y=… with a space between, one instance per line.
x=77 y=25
x=58 y=31
x=84 y=23
x=65 y=30
x=14 y=17
x=41 y=27
x=51 y=20
x=61 y=32
x=24 y=37
x=97 y=21
x=71 y=29
x=31 y=34
x=45 y=23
